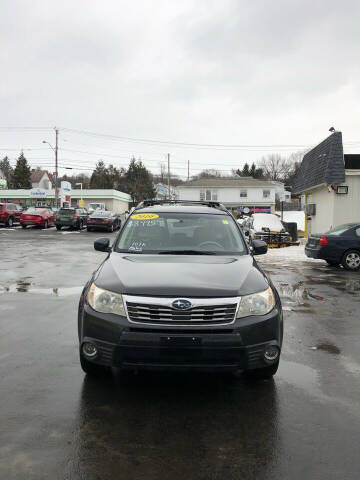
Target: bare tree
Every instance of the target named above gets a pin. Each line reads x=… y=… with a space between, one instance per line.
x=280 y=168
x=208 y=173
x=275 y=167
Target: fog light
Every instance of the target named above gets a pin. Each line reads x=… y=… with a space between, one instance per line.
x=89 y=349
x=271 y=353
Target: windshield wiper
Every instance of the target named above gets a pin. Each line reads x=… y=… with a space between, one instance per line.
x=186 y=252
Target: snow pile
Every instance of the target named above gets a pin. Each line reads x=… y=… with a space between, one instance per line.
x=267 y=220
x=294 y=216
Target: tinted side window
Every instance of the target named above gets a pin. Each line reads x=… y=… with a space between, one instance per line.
x=357 y=232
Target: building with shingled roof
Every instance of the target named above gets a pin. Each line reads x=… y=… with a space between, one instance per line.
x=329 y=181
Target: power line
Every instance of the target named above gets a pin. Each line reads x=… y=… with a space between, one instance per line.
x=170 y=142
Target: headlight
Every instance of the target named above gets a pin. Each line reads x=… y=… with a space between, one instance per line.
x=105 y=302
x=256 y=304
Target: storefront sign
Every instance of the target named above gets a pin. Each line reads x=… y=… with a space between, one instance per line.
x=37 y=193
x=65 y=192
x=254 y=209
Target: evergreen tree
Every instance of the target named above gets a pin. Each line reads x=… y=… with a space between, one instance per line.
x=100 y=177
x=7 y=170
x=245 y=171
x=21 y=176
x=259 y=173
x=139 y=182
x=252 y=170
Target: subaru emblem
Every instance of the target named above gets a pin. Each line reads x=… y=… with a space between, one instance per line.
x=181 y=304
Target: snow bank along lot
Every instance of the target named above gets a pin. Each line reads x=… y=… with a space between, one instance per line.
x=295 y=253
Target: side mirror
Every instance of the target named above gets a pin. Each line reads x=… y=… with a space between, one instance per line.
x=259 y=247
x=102 y=244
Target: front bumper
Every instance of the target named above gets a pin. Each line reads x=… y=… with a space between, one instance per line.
x=239 y=346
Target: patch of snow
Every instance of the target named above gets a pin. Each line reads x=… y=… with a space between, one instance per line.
x=267 y=220
x=294 y=216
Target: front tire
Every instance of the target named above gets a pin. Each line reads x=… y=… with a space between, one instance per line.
x=92 y=368
x=351 y=260
x=262 y=373
x=46 y=225
x=10 y=222
x=58 y=227
x=23 y=226
x=80 y=227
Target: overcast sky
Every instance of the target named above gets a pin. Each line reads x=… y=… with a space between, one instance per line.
x=195 y=71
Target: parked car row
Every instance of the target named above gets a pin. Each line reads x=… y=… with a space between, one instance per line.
x=44 y=217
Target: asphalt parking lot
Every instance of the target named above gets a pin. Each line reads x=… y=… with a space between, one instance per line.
x=58 y=424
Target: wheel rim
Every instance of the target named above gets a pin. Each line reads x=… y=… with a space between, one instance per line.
x=10 y=222
x=46 y=225
x=353 y=260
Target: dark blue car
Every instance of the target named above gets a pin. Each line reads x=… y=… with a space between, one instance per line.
x=340 y=245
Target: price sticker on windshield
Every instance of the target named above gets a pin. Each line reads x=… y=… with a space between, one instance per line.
x=225 y=222
x=144 y=216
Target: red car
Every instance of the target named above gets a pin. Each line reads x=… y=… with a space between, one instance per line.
x=40 y=217
x=9 y=214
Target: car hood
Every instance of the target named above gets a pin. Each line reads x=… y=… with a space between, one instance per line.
x=181 y=275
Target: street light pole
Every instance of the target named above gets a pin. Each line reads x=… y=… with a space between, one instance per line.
x=169 y=176
x=56 y=164
x=56 y=168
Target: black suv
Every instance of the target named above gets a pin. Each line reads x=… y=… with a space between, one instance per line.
x=180 y=289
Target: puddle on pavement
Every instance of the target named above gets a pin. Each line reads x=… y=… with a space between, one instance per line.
x=297 y=294
x=327 y=347
x=25 y=286
x=300 y=375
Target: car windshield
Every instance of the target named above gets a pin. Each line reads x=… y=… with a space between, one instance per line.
x=101 y=214
x=340 y=229
x=34 y=210
x=181 y=233
x=66 y=211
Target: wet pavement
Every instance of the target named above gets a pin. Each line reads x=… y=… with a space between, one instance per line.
x=55 y=423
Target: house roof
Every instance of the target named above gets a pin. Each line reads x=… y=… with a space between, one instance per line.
x=227 y=182
x=352 y=161
x=36 y=175
x=324 y=164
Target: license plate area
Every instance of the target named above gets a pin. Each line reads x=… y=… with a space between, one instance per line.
x=171 y=341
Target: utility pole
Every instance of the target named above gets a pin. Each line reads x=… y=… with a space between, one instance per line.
x=169 y=176
x=188 y=170
x=56 y=168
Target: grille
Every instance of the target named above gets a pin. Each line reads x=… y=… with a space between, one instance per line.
x=160 y=314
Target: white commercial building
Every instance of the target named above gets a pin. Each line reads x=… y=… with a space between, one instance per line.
x=242 y=194
x=113 y=199
x=329 y=183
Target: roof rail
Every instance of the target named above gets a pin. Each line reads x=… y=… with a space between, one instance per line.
x=211 y=204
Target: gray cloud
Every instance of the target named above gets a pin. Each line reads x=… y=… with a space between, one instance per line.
x=205 y=71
